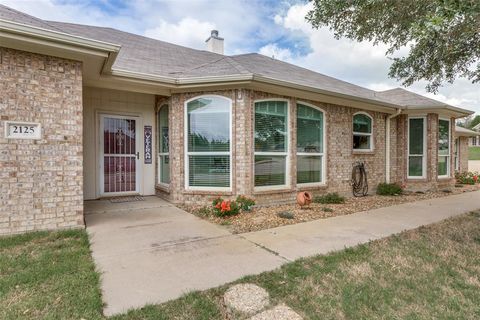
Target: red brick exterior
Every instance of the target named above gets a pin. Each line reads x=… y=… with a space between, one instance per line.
x=41 y=180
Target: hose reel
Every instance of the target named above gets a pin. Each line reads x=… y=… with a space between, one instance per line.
x=359 y=179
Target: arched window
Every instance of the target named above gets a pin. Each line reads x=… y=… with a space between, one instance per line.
x=163 y=145
x=362 y=132
x=310 y=144
x=271 y=143
x=208 y=143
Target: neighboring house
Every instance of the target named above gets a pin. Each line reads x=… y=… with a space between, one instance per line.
x=462 y=136
x=474 y=140
x=102 y=113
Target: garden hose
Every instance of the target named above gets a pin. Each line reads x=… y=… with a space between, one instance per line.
x=359 y=180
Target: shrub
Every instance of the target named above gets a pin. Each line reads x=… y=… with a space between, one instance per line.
x=245 y=203
x=204 y=211
x=389 y=189
x=224 y=208
x=329 y=198
x=467 y=177
x=327 y=209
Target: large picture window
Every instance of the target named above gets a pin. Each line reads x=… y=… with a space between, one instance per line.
x=362 y=132
x=208 y=135
x=163 y=145
x=416 y=147
x=443 y=148
x=310 y=147
x=271 y=143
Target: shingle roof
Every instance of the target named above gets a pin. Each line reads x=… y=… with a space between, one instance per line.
x=10 y=14
x=140 y=54
x=409 y=99
x=464 y=132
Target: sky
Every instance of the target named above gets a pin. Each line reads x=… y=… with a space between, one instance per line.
x=270 y=27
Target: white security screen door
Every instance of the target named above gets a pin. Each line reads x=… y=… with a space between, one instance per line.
x=119 y=155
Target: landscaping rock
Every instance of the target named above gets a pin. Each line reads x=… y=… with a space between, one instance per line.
x=286 y=215
x=281 y=312
x=447 y=190
x=246 y=298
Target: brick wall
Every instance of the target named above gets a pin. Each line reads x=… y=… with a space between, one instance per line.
x=463 y=154
x=41 y=180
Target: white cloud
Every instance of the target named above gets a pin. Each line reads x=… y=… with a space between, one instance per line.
x=361 y=63
x=182 y=32
x=272 y=50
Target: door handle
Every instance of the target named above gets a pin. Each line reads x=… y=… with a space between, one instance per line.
x=138 y=155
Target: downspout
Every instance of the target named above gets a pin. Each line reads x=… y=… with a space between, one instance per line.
x=387 y=144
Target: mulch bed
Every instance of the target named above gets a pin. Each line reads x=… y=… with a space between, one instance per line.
x=261 y=218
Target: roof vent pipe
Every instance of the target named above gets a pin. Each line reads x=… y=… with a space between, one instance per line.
x=215 y=43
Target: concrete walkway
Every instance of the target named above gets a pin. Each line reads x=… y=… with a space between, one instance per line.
x=151 y=252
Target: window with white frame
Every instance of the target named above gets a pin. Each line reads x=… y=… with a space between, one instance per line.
x=163 y=145
x=443 y=148
x=208 y=143
x=362 y=132
x=416 y=147
x=457 y=153
x=271 y=143
x=310 y=144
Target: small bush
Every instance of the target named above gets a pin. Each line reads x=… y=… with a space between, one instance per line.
x=467 y=177
x=224 y=208
x=329 y=198
x=327 y=209
x=245 y=203
x=389 y=189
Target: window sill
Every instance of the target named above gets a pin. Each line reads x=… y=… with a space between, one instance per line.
x=304 y=187
x=161 y=187
x=272 y=190
x=208 y=192
x=360 y=152
x=413 y=180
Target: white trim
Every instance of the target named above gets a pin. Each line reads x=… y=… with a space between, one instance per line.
x=323 y=154
x=159 y=141
x=187 y=153
x=138 y=146
x=372 y=147
x=448 y=175
x=424 y=149
x=285 y=154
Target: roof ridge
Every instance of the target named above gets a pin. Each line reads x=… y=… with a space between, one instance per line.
x=135 y=35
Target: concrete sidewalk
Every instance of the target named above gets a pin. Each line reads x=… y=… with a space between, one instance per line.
x=323 y=236
x=154 y=252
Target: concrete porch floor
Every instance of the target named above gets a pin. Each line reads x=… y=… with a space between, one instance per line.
x=151 y=252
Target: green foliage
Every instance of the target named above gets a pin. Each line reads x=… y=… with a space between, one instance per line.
x=474 y=122
x=327 y=209
x=442 y=35
x=204 y=211
x=467 y=177
x=329 y=198
x=245 y=203
x=225 y=208
x=389 y=189
x=474 y=153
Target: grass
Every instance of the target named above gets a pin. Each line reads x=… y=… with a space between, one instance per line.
x=431 y=272
x=474 y=153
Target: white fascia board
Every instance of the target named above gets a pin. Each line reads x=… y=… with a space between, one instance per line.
x=27 y=31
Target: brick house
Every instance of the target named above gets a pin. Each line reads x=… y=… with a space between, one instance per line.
x=90 y=112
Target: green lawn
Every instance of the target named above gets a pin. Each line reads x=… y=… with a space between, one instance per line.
x=431 y=272
x=474 y=153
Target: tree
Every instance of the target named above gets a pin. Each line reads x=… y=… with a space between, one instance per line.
x=474 y=122
x=443 y=35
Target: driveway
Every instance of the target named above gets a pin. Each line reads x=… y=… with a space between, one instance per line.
x=151 y=252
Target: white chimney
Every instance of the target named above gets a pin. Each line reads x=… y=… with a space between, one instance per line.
x=215 y=43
